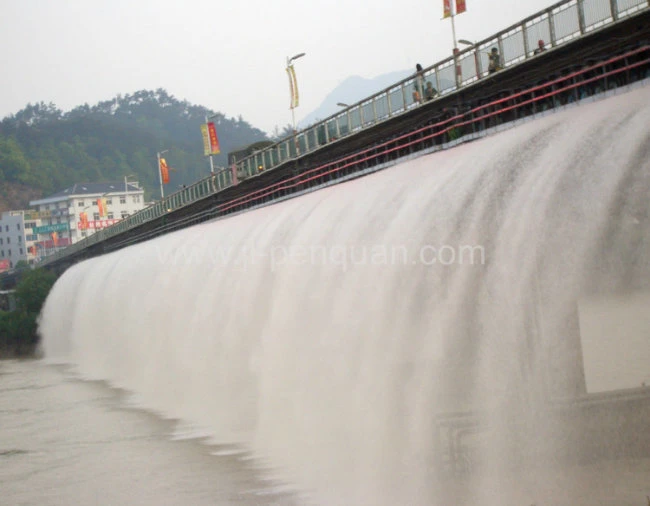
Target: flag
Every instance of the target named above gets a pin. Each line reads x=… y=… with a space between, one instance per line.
x=214 y=141
x=83 y=221
x=446 y=8
x=101 y=206
x=293 y=86
x=206 y=139
x=164 y=171
x=460 y=6
x=55 y=238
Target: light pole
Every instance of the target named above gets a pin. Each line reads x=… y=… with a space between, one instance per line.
x=477 y=58
x=450 y=11
x=342 y=104
x=126 y=181
x=293 y=87
x=162 y=192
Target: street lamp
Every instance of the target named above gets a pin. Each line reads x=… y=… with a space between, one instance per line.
x=293 y=86
x=342 y=104
x=162 y=193
x=477 y=59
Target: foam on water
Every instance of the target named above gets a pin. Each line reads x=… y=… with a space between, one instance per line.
x=330 y=333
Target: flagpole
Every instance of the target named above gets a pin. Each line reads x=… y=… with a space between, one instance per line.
x=450 y=10
x=455 y=51
x=453 y=29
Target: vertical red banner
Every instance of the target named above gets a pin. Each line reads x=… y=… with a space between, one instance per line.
x=100 y=207
x=164 y=171
x=446 y=8
x=214 y=141
x=461 y=6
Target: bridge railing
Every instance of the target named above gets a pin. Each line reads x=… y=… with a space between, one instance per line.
x=557 y=25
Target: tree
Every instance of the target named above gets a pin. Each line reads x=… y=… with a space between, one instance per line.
x=32 y=290
x=19 y=328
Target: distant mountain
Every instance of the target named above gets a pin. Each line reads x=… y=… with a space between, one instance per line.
x=353 y=89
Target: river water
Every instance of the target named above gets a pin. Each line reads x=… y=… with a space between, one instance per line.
x=67 y=442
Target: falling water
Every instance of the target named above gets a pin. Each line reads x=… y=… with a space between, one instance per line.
x=333 y=334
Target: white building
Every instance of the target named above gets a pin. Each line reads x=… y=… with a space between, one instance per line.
x=61 y=213
x=17 y=238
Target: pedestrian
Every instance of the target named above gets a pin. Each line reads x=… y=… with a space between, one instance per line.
x=429 y=92
x=495 y=61
x=418 y=84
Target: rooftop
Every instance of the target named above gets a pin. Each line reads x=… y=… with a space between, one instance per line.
x=84 y=189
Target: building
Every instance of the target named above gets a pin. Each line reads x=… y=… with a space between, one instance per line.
x=102 y=203
x=17 y=238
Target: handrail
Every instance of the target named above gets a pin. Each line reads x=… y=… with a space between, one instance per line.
x=440 y=128
x=560 y=23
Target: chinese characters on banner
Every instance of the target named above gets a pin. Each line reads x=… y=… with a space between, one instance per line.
x=214 y=141
x=210 y=139
x=83 y=225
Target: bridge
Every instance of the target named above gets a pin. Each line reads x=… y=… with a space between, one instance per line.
x=593 y=47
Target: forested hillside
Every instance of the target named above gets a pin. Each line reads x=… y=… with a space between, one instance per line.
x=44 y=150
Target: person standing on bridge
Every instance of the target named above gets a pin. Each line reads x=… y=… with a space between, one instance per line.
x=430 y=92
x=418 y=84
x=495 y=61
x=540 y=47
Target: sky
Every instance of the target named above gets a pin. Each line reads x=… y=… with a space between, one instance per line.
x=229 y=56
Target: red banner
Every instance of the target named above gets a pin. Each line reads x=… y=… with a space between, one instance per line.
x=446 y=8
x=214 y=141
x=83 y=223
x=4 y=265
x=460 y=6
x=100 y=207
x=164 y=171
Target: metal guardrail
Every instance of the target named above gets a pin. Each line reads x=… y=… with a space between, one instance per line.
x=557 y=25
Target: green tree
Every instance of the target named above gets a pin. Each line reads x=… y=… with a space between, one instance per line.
x=32 y=290
x=18 y=329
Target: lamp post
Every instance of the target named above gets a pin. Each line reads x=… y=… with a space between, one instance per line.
x=293 y=87
x=162 y=192
x=342 y=104
x=477 y=59
x=126 y=182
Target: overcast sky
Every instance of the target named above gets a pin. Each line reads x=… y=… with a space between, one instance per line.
x=228 y=55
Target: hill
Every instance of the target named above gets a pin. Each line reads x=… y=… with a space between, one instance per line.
x=43 y=150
